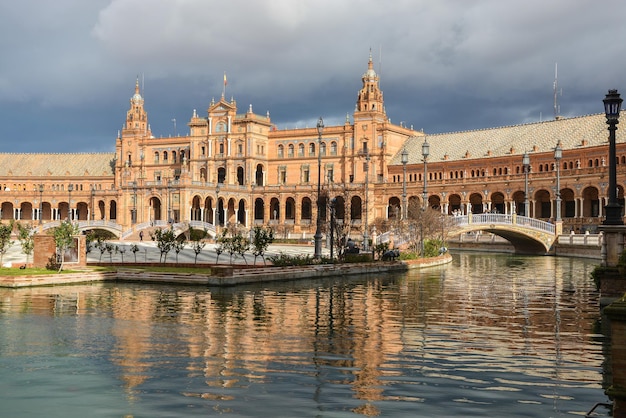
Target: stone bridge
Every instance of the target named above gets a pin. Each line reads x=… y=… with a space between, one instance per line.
x=527 y=235
x=133 y=232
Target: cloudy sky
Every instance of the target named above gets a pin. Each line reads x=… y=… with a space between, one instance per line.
x=68 y=67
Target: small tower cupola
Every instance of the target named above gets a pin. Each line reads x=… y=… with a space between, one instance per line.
x=370 y=98
x=136 y=116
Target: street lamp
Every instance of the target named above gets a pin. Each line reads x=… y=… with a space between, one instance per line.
x=366 y=169
x=613 y=210
x=425 y=153
x=134 y=211
x=558 y=154
x=70 y=187
x=169 y=201
x=40 y=204
x=333 y=203
x=405 y=160
x=526 y=167
x=93 y=209
x=217 y=207
x=318 y=228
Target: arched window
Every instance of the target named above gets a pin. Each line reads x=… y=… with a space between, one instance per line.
x=323 y=149
x=301 y=150
x=290 y=151
x=333 y=148
x=156 y=157
x=281 y=151
x=165 y=156
x=312 y=149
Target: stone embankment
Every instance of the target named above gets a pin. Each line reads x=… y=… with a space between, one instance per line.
x=222 y=275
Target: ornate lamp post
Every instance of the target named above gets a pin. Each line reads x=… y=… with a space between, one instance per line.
x=169 y=201
x=133 y=215
x=70 y=187
x=558 y=154
x=612 y=105
x=366 y=169
x=40 y=204
x=405 y=160
x=333 y=203
x=93 y=210
x=526 y=166
x=425 y=153
x=318 y=226
x=217 y=208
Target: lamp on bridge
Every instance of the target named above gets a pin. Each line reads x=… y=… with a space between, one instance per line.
x=613 y=210
x=558 y=154
x=526 y=166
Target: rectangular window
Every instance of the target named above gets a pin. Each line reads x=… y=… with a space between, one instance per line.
x=306 y=175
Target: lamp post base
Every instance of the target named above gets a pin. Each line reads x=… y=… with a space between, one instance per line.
x=613 y=214
x=318 y=245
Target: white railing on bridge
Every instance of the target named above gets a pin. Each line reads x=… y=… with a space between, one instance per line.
x=504 y=219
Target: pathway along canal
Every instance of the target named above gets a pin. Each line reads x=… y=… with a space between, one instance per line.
x=485 y=336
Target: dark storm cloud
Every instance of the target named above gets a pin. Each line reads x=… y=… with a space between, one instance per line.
x=68 y=67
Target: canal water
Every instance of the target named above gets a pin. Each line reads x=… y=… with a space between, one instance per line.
x=486 y=336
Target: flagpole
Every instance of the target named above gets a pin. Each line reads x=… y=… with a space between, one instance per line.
x=224 y=88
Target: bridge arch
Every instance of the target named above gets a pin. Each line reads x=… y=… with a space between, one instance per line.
x=527 y=235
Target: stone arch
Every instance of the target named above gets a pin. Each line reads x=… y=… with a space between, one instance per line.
x=591 y=202
x=476 y=200
x=519 y=199
x=82 y=211
x=26 y=211
x=258 y=175
x=241 y=213
x=356 y=208
x=259 y=210
x=306 y=212
x=274 y=209
x=340 y=207
x=393 y=208
x=497 y=202
x=102 y=210
x=290 y=210
x=221 y=175
x=414 y=208
x=155 y=208
x=568 y=202
x=434 y=201
x=454 y=204
x=196 y=213
x=543 y=205
x=240 y=176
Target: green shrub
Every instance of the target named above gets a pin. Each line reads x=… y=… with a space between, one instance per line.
x=358 y=258
x=408 y=255
x=282 y=260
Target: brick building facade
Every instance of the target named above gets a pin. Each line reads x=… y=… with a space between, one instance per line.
x=240 y=168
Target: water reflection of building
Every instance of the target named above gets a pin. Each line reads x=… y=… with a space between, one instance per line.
x=351 y=334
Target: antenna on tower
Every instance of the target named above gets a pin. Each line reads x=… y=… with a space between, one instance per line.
x=557 y=107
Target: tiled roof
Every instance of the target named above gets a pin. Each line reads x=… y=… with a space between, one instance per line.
x=574 y=133
x=88 y=164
